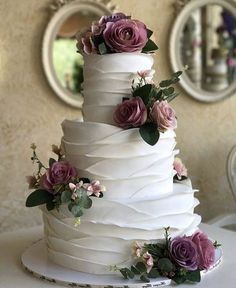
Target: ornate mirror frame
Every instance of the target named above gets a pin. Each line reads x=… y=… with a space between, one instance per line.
x=184 y=9
x=62 y=9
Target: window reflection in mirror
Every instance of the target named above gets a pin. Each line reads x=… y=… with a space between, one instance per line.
x=68 y=64
x=208 y=47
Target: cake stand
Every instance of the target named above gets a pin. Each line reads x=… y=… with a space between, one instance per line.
x=35 y=261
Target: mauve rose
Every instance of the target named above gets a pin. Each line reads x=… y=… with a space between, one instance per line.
x=125 y=35
x=184 y=252
x=59 y=173
x=113 y=18
x=97 y=28
x=163 y=115
x=205 y=248
x=131 y=113
x=180 y=168
x=85 y=42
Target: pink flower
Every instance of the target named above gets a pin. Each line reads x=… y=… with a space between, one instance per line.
x=146 y=73
x=180 y=168
x=137 y=249
x=131 y=113
x=163 y=115
x=59 y=173
x=32 y=181
x=112 y=18
x=94 y=188
x=205 y=249
x=125 y=35
x=85 y=42
x=97 y=28
x=148 y=260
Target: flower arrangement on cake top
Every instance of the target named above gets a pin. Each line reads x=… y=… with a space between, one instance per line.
x=180 y=259
x=60 y=184
x=148 y=108
x=115 y=34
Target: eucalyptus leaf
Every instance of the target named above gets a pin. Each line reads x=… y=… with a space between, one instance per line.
x=166 y=83
x=150 y=133
x=85 y=201
x=130 y=274
x=144 y=278
x=172 y=97
x=124 y=273
x=179 y=279
x=165 y=265
x=77 y=211
x=70 y=206
x=51 y=161
x=177 y=74
x=140 y=266
x=153 y=273
x=38 y=197
x=168 y=91
x=102 y=48
x=135 y=270
x=194 y=276
x=149 y=47
x=65 y=196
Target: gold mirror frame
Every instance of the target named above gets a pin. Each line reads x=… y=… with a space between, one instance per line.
x=184 y=9
x=62 y=10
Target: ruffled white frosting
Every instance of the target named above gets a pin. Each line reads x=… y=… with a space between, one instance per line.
x=140 y=199
x=107 y=79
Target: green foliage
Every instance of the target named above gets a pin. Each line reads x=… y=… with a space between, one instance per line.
x=150 y=47
x=143 y=92
x=102 y=48
x=150 y=133
x=76 y=210
x=51 y=161
x=66 y=196
x=50 y=205
x=39 y=197
x=165 y=265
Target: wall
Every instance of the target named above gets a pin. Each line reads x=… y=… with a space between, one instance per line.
x=30 y=112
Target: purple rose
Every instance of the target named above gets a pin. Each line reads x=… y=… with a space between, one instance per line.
x=85 y=43
x=113 y=18
x=131 y=113
x=125 y=35
x=163 y=115
x=59 y=173
x=184 y=252
x=205 y=248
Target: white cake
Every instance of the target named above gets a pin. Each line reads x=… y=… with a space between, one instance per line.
x=141 y=198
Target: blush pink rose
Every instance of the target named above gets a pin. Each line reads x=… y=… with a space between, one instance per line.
x=125 y=35
x=131 y=113
x=59 y=173
x=180 y=168
x=163 y=115
x=205 y=248
x=85 y=42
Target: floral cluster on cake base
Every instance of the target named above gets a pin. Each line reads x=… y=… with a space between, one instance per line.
x=115 y=34
x=148 y=107
x=60 y=184
x=180 y=259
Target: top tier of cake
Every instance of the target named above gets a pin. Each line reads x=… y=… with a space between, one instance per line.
x=108 y=79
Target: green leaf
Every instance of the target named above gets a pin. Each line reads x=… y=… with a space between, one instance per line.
x=153 y=273
x=135 y=270
x=124 y=273
x=143 y=92
x=155 y=93
x=194 y=276
x=50 y=206
x=85 y=201
x=179 y=279
x=149 y=33
x=38 y=197
x=51 y=161
x=70 y=206
x=166 y=83
x=102 y=48
x=165 y=265
x=172 y=97
x=150 y=46
x=150 y=133
x=76 y=211
x=169 y=91
x=177 y=74
x=65 y=196
x=130 y=274
x=140 y=266
x=144 y=278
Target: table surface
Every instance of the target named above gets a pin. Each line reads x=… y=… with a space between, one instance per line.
x=12 y=274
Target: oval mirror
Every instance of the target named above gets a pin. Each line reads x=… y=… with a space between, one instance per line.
x=62 y=65
x=204 y=39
